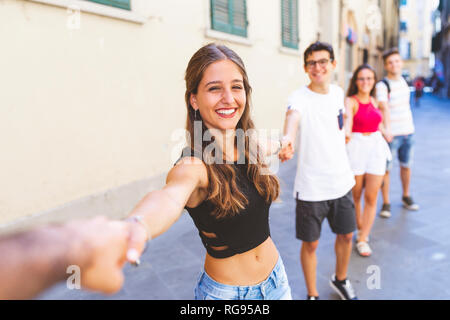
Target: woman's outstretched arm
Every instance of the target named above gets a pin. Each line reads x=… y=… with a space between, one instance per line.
x=159 y=209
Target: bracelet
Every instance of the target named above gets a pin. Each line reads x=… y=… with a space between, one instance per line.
x=141 y=221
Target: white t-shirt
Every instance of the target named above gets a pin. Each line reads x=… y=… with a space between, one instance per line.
x=323 y=168
x=399 y=106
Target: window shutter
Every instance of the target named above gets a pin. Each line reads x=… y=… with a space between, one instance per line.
x=239 y=17
x=294 y=23
x=289 y=23
x=122 y=4
x=220 y=15
x=229 y=16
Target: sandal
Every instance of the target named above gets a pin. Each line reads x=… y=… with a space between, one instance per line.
x=363 y=249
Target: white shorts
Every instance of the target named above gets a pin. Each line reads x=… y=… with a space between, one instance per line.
x=368 y=154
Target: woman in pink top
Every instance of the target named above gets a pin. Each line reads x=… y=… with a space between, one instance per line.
x=366 y=148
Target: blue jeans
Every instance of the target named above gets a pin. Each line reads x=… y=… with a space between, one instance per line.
x=403 y=145
x=275 y=287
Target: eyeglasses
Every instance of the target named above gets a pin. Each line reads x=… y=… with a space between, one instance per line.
x=366 y=79
x=322 y=63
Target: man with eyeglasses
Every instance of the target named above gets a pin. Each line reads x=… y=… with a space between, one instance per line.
x=324 y=179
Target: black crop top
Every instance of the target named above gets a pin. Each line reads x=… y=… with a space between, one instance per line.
x=234 y=234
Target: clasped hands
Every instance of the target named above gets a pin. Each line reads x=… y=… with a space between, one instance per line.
x=101 y=247
x=287 y=149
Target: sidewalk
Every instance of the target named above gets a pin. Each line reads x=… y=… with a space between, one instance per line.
x=411 y=249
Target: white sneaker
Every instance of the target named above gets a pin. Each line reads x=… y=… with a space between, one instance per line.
x=386 y=211
x=409 y=204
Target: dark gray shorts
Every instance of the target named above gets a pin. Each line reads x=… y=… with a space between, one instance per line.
x=310 y=215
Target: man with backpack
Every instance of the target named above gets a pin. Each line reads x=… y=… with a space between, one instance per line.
x=393 y=91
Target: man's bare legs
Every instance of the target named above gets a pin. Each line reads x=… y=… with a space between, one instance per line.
x=308 y=258
x=386 y=208
x=385 y=188
x=343 y=249
x=405 y=176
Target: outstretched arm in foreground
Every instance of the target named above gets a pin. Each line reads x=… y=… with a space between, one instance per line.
x=32 y=261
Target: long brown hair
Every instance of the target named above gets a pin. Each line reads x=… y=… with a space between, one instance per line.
x=223 y=191
x=353 y=88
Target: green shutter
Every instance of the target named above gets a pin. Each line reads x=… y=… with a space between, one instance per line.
x=289 y=23
x=239 y=17
x=122 y=4
x=220 y=15
x=229 y=16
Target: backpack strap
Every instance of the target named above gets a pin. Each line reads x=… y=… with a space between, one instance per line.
x=386 y=83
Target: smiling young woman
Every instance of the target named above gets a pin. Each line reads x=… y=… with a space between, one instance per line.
x=222 y=86
x=367 y=150
x=220 y=97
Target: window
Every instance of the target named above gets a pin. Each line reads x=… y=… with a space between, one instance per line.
x=405 y=48
x=122 y=4
x=119 y=9
x=229 y=16
x=403 y=26
x=289 y=23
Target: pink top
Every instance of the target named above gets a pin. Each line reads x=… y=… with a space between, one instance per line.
x=367 y=118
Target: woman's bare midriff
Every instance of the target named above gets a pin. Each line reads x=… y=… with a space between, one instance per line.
x=245 y=269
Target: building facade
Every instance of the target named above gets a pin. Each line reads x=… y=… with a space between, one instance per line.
x=93 y=107
x=361 y=37
x=441 y=47
x=416 y=31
